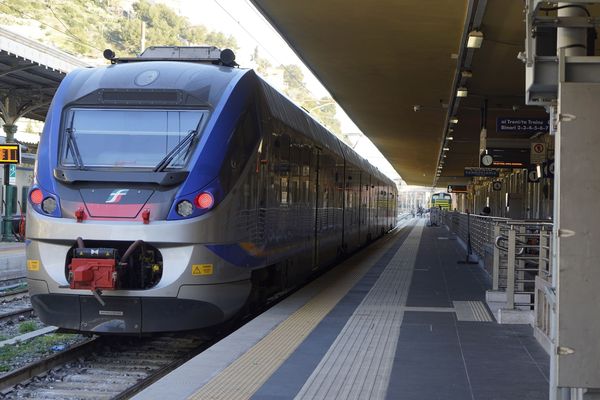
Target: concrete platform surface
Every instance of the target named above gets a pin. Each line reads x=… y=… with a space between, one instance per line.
x=402 y=319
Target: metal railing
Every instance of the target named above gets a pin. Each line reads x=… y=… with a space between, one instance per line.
x=522 y=253
x=476 y=231
x=517 y=255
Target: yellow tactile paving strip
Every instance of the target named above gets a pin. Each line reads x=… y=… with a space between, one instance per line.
x=246 y=375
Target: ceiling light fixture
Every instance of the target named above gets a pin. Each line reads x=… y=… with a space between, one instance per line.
x=454 y=120
x=446 y=149
x=466 y=73
x=449 y=138
x=475 y=39
x=462 y=92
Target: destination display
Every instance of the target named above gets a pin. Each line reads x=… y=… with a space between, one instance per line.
x=457 y=189
x=10 y=153
x=521 y=125
x=478 y=171
x=505 y=158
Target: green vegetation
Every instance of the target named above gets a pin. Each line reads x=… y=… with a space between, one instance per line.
x=322 y=109
x=13 y=356
x=27 y=326
x=87 y=27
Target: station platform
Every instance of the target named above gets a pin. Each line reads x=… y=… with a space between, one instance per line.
x=401 y=319
x=12 y=261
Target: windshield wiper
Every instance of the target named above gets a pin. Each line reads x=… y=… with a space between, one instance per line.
x=186 y=144
x=72 y=143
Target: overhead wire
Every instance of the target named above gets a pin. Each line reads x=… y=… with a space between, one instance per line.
x=69 y=35
x=294 y=77
x=61 y=22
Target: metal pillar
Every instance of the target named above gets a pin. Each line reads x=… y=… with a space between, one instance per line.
x=569 y=87
x=9 y=190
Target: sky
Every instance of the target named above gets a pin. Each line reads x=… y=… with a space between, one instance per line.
x=240 y=19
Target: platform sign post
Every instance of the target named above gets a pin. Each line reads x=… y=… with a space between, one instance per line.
x=10 y=156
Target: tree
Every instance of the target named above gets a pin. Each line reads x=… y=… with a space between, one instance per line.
x=86 y=27
x=293 y=80
x=262 y=64
x=325 y=112
x=322 y=109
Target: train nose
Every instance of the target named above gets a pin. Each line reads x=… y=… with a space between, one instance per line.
x=115 y=202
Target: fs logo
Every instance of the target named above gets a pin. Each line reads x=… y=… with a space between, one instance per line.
x=116 y=195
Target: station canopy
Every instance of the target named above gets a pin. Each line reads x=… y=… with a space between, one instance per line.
x=383 y=60
x=29 y=75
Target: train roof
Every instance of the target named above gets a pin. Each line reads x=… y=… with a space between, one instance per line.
x=172 y=81
x=193 y=84
x=284 y=110
x=287 y=112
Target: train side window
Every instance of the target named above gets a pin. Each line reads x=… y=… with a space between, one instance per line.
x=240 y=148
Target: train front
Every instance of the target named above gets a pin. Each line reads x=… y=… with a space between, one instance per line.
x=126 y=193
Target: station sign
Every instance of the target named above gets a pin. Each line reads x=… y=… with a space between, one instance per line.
x=478 y=171
x=505 y=158
x=532 y=175
x=457 y=189
x=538 y=153
x=12 y=174
x=10 y=153
x=521 y=125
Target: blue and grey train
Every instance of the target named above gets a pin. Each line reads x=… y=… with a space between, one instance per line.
x=170 y=194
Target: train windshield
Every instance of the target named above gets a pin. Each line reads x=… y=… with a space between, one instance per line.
x=130 y=138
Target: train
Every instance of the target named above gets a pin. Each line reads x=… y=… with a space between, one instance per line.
x=174 y=190
x=441 y=200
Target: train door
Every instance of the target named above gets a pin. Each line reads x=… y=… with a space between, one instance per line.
x=283 y=218
x=367 y=200
x=342 y=189
x=352 y=208
x=360 y=206
x=263 y=189
x=301 y=214
x=328 y=215
x=317 y=204
x=340 y=204
x=374 y=207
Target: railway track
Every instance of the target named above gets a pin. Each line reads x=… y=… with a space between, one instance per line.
x=12 y=288
x=102 y=368
x=15 y=307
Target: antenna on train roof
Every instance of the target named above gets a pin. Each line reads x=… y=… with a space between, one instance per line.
x=109 y=55
x=197 y=54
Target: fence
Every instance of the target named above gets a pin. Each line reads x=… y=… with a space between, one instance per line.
x=518 y=257
x=477 y=232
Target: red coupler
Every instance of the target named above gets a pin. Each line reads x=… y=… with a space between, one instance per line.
x=93 y=273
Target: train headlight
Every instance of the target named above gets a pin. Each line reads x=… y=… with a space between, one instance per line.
x=185 y=208
x=204 y=200
x=49 y=205
x=36 y=196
